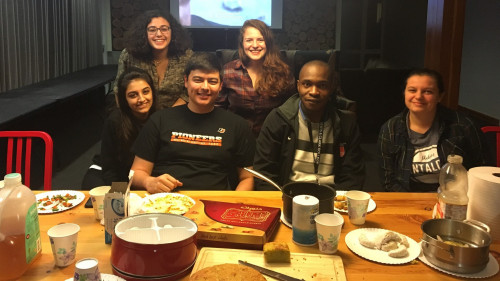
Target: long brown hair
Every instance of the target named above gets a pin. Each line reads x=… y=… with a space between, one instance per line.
x=275 y=77
x=130 y=125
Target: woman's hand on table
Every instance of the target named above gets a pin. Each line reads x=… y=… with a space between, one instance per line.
x=163 y=183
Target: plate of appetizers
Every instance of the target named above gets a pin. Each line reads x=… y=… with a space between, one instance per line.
x=340 y=202
x=58 y=201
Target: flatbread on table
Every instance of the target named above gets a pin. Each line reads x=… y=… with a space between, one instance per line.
x=227 y=272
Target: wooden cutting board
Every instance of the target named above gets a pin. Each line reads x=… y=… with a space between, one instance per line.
x=303 y=266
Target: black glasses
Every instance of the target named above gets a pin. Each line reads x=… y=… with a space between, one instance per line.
x=162 y=29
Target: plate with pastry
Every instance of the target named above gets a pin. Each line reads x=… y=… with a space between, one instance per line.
x=170 y=203
x=340 y=202
x=383 y=246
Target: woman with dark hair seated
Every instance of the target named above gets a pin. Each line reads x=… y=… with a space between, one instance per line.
x=415 y=144
x=136 y=99
x=157 y=43
x=259 y=80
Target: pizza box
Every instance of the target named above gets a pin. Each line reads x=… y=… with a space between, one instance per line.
x=315 y=267
x=233 y=225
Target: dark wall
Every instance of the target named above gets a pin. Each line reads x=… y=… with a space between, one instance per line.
x=403 y=32
x=307 y=25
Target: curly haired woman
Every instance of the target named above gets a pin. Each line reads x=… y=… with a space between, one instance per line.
x=157 y=43
x=259 y=80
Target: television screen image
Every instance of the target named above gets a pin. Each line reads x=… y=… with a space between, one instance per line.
x=226 y=13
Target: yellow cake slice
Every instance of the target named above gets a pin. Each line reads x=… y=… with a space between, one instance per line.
x=276 y=252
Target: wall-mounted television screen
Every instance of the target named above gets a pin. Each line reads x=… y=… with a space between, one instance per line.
x=226 y=13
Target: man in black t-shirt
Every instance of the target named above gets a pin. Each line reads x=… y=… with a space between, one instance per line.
x=194 y=146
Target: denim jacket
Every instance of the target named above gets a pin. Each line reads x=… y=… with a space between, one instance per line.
x=457 y=135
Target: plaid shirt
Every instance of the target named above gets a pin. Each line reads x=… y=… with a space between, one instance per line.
x=239 y=96
x=457 y=135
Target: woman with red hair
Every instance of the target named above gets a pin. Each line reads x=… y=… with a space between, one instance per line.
x=259 y=80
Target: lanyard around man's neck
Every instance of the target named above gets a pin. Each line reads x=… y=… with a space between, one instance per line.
x=316 y=157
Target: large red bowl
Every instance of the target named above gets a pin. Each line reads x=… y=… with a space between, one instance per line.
x=138 y=249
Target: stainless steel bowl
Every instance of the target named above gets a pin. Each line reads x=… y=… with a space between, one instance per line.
x=460 y=259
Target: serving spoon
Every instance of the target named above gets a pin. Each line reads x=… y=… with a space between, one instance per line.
x=264 y=178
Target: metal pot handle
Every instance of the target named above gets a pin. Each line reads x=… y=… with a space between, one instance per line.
x=449 y=250
x=478 y=224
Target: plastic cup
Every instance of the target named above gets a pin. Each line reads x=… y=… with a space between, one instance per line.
x=87 y=270
x=357 y=205
x=63 y=239
x=97 y=197
x=328 y=227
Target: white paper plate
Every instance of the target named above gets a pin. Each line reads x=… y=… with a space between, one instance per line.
x=351 y=240
x=60 y=208
x=490 y=269
x=371 y=204
x=282 y=218
x=1 y=184
x=105 y=277
x=164 y=207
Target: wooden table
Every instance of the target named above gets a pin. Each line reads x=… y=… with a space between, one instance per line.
x=402 y=212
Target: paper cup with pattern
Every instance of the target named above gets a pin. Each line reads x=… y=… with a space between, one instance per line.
x=357 y=205
x=87 y=270
x=97 y=197
x=328 y=227
x=63 y=238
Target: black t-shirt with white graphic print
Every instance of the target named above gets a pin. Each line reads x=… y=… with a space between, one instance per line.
x=426 y=165
x=200 y=150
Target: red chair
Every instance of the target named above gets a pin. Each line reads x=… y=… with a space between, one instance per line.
x=25 y=137
x=495 y=129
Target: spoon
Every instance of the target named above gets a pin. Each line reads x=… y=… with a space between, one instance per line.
x=264 y=178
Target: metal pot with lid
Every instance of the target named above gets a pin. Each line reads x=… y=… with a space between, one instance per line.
x=456 y=246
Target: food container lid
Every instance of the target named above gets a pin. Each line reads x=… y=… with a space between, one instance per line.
x=155 y=229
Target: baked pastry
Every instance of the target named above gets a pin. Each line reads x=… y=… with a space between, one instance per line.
x=394 y=243
x=388 y=237
x=339 y=204
x=276 y=252
x=400 y=252
x=227 y=272
x=340 y=198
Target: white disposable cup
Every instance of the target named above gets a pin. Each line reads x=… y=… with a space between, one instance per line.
x=87 y=270
x=357 y=205
x=97 y=197
x=328 y=227
x=63 y=238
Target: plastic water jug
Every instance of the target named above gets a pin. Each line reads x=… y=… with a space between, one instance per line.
x=20 y=242
x=452 y=193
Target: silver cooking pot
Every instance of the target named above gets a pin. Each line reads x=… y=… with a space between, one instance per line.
x=460 y=259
